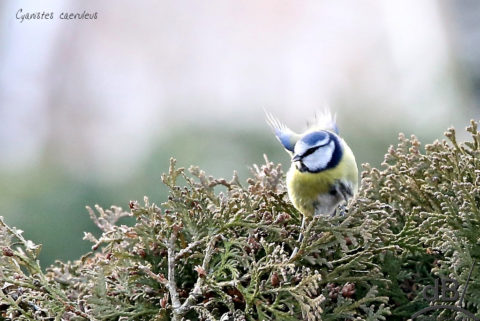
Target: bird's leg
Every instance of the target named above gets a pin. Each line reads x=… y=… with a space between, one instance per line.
x=342 y=210
x=302 y=227
x=300 y=238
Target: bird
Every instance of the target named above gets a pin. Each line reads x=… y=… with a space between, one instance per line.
x=323 y=172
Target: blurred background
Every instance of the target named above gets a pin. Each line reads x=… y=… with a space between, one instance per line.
x=92 y=110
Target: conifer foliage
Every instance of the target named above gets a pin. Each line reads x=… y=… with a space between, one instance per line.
x=221 y=249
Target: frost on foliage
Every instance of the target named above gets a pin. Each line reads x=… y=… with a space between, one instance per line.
x=221 y=249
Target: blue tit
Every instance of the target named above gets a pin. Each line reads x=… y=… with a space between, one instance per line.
x=323 y=173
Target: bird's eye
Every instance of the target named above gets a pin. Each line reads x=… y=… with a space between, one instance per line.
x=310 y=151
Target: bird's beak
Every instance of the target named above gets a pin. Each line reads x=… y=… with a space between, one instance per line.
x=296 y=158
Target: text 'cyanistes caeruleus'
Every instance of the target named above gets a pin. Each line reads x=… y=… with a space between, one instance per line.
x=323 y=173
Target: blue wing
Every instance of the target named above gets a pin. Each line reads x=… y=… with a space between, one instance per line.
x=287 y=137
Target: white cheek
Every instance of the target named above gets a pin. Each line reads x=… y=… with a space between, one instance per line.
x=320 y=158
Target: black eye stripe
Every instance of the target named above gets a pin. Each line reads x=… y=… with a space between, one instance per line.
x=313 y=149
x=310 y=151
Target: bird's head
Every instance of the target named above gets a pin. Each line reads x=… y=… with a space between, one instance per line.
x=317 y=151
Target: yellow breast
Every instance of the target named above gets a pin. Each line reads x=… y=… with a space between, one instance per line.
x=305 y=188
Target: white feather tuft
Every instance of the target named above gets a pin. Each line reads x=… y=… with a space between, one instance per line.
x=284 y=135
x=325 y=120
x=274 y=123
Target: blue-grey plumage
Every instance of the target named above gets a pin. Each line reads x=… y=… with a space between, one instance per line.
x=323 y=173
